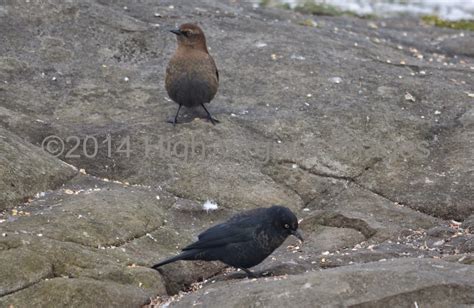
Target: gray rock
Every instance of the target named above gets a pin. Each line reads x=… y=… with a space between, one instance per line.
x=315 y=118
x=441 y=232
x=77 y=292
x=26 y=170
x=352 y=139
x=22 y=268
x=398 y=283
x=469 y=224
x=468 y=245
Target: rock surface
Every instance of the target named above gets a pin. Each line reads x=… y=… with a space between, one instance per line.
x=399 y=283
x=26 y=170
x=363 y=127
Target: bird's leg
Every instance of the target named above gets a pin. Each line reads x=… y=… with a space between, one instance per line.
x=175 y=120
x=249 y=273
x=266 y=274
x=213 y=121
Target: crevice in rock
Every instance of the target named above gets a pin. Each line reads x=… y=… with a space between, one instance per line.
x=295 y=192
x=377 y=193
x=9 y=246
x=351 y=180
x=176 y=282
x=305 y=201
x=334 y=219
x=115 y=244
x=69 y=241
x=48 y=275
x=22 y=288
x=320 y=174
x=138 y=236
x=26 y=199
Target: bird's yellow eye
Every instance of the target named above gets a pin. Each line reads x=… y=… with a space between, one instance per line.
x=287 y=226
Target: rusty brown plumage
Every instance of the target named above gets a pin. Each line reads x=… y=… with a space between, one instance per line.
x=192 y=78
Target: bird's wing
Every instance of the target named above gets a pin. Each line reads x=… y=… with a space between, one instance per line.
x=232 y=231
x=213 y=63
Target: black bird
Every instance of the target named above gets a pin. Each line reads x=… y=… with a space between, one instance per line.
x=192 y=78
x=243 y=241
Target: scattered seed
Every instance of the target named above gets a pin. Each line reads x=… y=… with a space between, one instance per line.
x=409 y=97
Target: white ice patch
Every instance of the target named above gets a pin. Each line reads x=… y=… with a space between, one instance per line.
x=209 y=206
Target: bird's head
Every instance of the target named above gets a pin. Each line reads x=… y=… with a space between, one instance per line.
x=285 y=221
x=190 y=35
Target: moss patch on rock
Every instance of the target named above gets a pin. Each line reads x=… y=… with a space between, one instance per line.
x=439 y=22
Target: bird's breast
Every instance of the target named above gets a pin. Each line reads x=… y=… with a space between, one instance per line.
x=199 y=64
x=191 y=81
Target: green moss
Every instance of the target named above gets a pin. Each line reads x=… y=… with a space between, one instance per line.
x=270 y=3
x=307 y=23
x=438 y=22
x=323 y=9
x=310 y=7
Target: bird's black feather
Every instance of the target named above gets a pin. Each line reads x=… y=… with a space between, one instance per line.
x=243 y=241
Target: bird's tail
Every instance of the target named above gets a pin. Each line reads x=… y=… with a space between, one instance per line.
x=185 y=255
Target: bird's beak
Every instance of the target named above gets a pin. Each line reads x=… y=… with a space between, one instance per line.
x=297 y=234
x=176 y=31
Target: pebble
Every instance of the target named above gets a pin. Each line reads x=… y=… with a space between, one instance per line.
x=336 y=79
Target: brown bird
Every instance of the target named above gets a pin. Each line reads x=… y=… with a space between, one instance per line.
x=192 y=78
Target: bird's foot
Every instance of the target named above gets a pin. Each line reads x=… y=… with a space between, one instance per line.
x=249 y=273
x=175 y=119
x=172 y=121
x=213 y=120
x=266 y=274
x=209 y=116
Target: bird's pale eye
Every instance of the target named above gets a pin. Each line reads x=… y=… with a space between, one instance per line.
x=287 y=226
